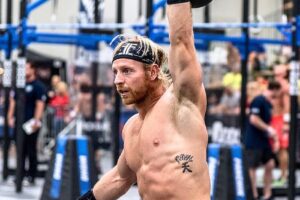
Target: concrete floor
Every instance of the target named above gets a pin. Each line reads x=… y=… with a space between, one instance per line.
x=7 y=188
x=7 y=192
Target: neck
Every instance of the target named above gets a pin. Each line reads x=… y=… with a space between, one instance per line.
x=31 y=78
x=267 y=95
x=154 y=95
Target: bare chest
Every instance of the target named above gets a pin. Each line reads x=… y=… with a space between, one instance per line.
x=149 y=141
x=158 y=140
x=168 y=129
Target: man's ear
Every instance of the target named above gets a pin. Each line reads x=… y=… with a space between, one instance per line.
x=154 y=71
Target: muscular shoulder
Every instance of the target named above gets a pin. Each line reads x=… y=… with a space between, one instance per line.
x=129 y=125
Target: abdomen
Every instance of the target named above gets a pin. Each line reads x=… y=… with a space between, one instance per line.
x=163 y=178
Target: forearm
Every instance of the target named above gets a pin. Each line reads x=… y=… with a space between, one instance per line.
x=183 y=64
x=11 y=109
x=111 y=186
x=258 y=123
x=180 y=24
x=39 y=110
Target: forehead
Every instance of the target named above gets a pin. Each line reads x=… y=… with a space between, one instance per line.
x=28 y=65
x=124 y=62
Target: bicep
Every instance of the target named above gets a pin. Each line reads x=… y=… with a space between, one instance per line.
x=185 y=71
x=124 y=170
x=40 y=104
x=254 y=119
x=255 y=111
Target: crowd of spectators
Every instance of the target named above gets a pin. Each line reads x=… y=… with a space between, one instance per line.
x=260 y=75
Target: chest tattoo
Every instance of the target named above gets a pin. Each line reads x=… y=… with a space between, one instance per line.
x=184 y=160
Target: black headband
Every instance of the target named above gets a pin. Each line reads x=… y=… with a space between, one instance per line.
x=136 y=51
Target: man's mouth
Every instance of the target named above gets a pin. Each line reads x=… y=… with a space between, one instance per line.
x=123 y=92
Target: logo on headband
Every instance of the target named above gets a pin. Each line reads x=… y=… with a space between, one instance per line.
x=128 y=49
x=135 y=50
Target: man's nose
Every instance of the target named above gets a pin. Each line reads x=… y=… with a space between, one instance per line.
x=118 y=79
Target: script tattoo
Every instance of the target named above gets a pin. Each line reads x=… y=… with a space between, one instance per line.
x=184 y=160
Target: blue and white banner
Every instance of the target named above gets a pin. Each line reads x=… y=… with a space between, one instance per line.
x=83 y=164
x=58 y=167
x=238 y=172
x=213 y=166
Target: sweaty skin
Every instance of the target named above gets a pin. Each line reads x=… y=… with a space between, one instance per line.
x=165 y=143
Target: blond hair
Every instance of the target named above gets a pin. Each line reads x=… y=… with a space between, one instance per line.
x=160 y=56
x=61 y=88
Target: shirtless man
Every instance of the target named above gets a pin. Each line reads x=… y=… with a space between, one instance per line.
x=165 y=143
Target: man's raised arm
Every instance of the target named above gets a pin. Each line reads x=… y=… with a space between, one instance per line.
x=183 y=64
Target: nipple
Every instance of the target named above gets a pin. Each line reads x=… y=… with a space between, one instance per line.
x=156 y=142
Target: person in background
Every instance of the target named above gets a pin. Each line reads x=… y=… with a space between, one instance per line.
x=256 y=63
x=262 y=80
x=54 y=80
x=229 y=103
x=281 y=76
x=81 y=100
x=35 y=98
x=233 y=78
x=101 y=137
x=60 y=103
x=258 y=134
x=253 y=90
x=280 y=120
x=61 y=96
x=233 y=56
x=97 y=130
x=230 y=100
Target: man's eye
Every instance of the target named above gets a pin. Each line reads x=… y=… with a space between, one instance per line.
x=126 y=71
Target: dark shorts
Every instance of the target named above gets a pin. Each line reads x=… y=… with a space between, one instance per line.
x=257 y=157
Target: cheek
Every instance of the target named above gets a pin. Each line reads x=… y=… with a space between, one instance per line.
x=137 y=81
x=139 y=86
